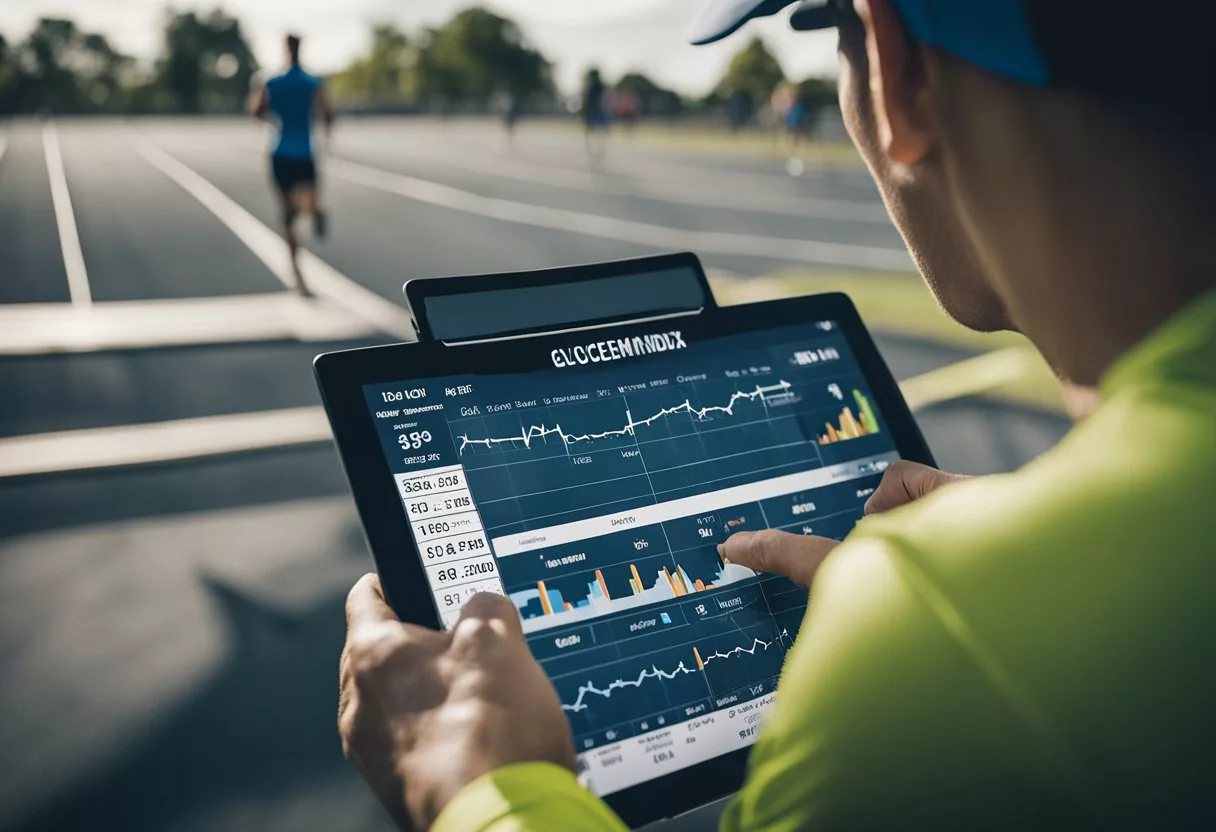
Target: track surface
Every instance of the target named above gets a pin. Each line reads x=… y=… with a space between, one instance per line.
x=169 y=634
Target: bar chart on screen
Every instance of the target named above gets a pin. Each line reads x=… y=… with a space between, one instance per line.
x=618 y=588
x=849 y=426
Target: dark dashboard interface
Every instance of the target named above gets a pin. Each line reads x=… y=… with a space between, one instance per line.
x=594 y=492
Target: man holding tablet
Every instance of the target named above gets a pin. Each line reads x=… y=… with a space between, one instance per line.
x=1025 y=651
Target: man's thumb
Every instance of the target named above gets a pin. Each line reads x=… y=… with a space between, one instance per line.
x=797 y=557
x=905 y=482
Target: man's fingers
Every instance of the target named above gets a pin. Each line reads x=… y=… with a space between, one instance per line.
x=797 y=557
x=905 y=482
x=376 y=638
x=365 y=605
x=495 y=610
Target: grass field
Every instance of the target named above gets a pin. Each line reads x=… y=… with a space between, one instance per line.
x=750 y=142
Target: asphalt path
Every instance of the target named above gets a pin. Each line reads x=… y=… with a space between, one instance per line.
x=169 y=632
x=33 y=266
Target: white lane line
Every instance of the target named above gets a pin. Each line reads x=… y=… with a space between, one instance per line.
x=3 y=145
x=612 y=228
x=46 y=328
x=735 y=199
x=269 y=247
x=157 y=442
x=61 y=199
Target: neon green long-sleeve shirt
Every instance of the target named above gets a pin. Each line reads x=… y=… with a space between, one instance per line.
x=1026 y=651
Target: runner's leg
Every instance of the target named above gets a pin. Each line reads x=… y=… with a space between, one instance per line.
x=285 y=186
x=290 y=212
x=309 y=199
x=309 y=202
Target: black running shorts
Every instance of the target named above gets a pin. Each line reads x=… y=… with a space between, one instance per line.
x=290 y=174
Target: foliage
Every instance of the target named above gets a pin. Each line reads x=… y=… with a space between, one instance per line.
x=476 y=54
x=815 y=94
x=62 y=69
x=7 y=74
x=467 y=62
x=206 y=65
x=384 y=74
x=753 y=72
x=655 y=100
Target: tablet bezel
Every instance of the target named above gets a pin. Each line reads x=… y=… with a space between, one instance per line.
x=343 y=375
x=419 y=289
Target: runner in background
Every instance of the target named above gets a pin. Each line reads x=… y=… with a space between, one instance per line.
x=596 y=114
x=627 y=109
x=781 y=103
x=508 y=107
x=292 y=101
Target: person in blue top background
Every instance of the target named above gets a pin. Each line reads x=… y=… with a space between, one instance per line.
x=293 y=101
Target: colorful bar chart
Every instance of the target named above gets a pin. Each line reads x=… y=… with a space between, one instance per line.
x=850 y=426
x=671 y=580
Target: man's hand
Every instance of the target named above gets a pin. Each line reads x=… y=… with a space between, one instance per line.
x=259 y=103
x=422 y=713
x=905 y=482
x=795 y=556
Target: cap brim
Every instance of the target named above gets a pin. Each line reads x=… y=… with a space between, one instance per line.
x=724 y=17
x=814 y=15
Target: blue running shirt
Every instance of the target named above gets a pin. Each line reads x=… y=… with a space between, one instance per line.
x=291 y=97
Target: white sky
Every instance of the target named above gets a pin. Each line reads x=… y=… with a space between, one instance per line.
x=616 y=35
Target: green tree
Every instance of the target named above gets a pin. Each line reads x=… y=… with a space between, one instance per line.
x=47 y=81
x=7 y=76
x=206 y=65
x=817 y=93
x=101 y=72
x=386 y=73
x=655 y=100
x=59 y=68
x=476 y=54
x=754 y=72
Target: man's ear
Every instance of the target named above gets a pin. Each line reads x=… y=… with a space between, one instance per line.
x=898 y=85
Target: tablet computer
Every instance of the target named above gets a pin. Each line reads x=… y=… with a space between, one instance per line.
x=589 y=475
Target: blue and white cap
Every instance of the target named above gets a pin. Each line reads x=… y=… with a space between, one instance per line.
x=994 y=35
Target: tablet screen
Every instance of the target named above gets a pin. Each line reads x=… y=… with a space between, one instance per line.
x=593 y=492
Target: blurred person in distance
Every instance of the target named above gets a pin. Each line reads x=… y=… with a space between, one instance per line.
x=781 y=103
x=796 y=122
x=627 y=108
x=507 y=105
x=596 y=109
x=293 y=101
x=738 y=109
x=1032 y=650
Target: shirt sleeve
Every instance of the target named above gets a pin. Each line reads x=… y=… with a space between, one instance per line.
x=527 y=797
x=892 y=714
